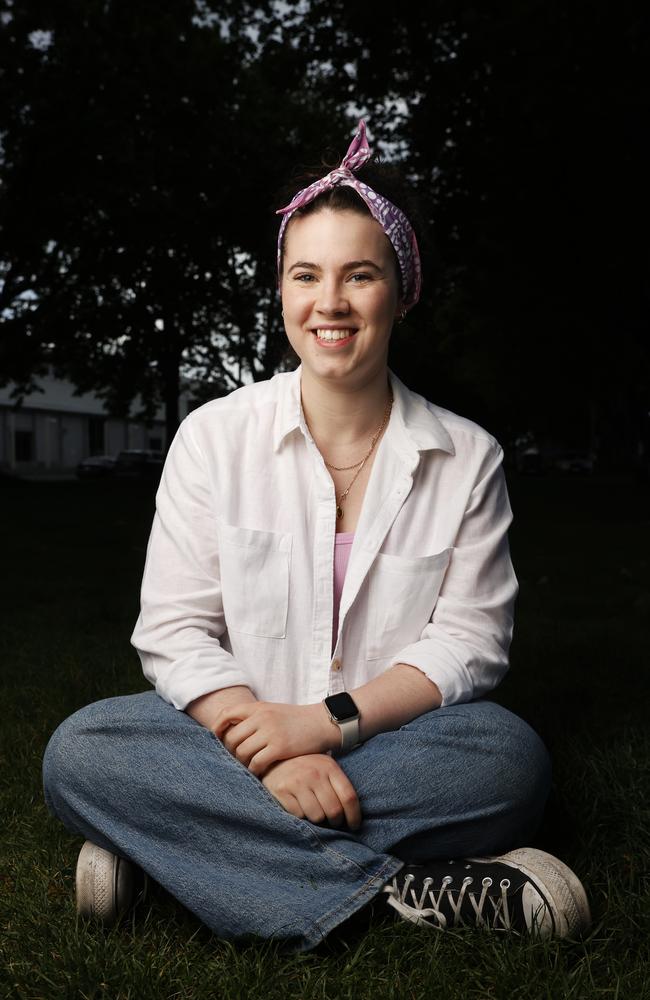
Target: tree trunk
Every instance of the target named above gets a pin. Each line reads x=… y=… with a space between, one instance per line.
x=171 y=360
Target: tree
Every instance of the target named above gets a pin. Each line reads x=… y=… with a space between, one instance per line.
x=143 y=147
x=523 y=126
x=143 y=143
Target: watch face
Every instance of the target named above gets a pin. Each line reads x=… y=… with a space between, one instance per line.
x=342 y=706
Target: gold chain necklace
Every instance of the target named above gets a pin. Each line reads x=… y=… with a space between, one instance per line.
x=343 y=468
x=343 y=495
x=346 y=468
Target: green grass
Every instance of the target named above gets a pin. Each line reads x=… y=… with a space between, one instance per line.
x=72 y=559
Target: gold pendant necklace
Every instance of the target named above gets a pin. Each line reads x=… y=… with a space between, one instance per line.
x=343 y=495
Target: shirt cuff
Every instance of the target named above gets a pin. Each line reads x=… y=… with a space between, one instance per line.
x=452 y=678
x=183 y=683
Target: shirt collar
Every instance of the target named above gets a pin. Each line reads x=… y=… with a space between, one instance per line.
x=411 y=420
x=288 y=411
x=415 y=422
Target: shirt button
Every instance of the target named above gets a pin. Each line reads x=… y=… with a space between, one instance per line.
x=337 y=665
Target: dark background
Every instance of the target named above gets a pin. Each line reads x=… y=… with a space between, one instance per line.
x=143 y=145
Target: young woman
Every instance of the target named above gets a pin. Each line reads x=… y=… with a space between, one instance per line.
x=327 y=599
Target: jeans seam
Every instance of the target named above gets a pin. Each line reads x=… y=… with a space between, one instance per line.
x=303 y=827
x=369 y=883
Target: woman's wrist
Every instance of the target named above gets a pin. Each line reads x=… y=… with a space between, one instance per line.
x=205 y=709
x=327 y=735
x=390 y=700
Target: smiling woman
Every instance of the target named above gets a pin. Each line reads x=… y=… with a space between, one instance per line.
x=327 y=600
x=340 y=300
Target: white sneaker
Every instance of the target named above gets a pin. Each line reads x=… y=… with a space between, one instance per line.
x=525 y=890
x=106 y=884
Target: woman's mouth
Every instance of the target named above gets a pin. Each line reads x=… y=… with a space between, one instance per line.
x=337 y=336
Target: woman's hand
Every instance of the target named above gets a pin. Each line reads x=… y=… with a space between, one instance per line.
x=259 y=733
x=314 y=787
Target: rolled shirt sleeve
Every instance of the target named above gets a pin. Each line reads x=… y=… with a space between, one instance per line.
x=464 y=648
x=181 y=622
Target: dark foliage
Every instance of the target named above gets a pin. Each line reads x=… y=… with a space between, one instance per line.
x=143 y=147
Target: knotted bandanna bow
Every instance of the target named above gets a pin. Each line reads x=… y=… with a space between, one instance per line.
x=392 y=220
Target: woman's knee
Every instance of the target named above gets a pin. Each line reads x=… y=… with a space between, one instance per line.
x=87 y=743
x=490 y=751
x=511 y=763
x=67 y=752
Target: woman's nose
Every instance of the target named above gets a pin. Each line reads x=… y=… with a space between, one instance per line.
x=332 y=298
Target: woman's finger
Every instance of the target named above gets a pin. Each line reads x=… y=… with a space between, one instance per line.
x=231 y=715
x=330 y=803
x=249 y=747
x=262 y=759
x=236 y=734
x=289 y=803
x=311 y=807
x=347 y=796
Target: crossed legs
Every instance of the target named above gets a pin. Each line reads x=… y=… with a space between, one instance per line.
x=136 y=776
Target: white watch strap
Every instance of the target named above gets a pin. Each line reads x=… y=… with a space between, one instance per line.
x=349 y=733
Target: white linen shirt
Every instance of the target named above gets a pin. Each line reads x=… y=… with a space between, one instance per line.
x=238 y=580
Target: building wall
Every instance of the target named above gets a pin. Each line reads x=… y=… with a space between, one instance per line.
x=54 y=429
x=115 y=436
x=74 y=448
x=52 y=440
x=33 y=441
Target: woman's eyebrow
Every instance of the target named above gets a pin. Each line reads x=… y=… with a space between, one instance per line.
x=306 y=264
x=350 y=265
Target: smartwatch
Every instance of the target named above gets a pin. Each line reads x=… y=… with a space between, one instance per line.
x=344 y=713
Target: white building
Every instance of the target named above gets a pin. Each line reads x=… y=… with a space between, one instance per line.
x=53 y=430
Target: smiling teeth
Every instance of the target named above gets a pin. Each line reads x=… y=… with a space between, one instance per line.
x=333 y=334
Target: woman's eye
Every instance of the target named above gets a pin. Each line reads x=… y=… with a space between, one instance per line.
x=359 y=276
x=304 y=277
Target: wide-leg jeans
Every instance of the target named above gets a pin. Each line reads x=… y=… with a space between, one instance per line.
x=144 y=780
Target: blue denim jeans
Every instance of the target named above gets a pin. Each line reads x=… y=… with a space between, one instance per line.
x=135 y=775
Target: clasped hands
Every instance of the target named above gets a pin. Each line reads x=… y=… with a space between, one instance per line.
x=286 y=746
x=259 y=733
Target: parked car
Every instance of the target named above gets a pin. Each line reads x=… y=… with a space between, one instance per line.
x=582 y=462
x=96 y=467
x=139 y=463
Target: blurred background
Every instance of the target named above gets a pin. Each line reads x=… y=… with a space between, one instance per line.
x=143 y=146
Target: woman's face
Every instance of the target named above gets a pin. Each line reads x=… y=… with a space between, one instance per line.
x=339 y=281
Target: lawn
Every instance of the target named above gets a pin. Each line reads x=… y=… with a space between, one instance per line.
x=72 y=556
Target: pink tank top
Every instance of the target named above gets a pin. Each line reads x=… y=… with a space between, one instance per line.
x=342 y=545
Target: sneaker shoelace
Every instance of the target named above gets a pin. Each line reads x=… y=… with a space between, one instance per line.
x=447 y=907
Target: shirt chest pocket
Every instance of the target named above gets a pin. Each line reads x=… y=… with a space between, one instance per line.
x=402 y=594
x=255 y=580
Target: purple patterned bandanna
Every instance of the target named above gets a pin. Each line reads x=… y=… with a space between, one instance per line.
x=392 y=220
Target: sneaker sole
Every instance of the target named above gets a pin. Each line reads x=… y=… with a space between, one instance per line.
x=560 y=887
x=104 y=884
